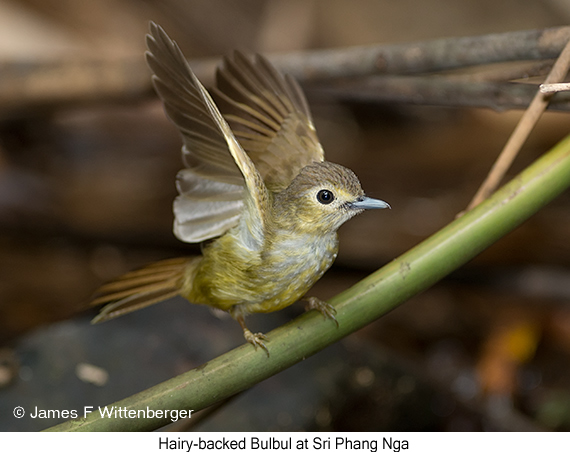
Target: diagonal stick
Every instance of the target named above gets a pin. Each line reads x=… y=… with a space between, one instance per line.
x=522 y=130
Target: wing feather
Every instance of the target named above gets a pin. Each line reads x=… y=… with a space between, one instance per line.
x=270 y=117
x=220 y=183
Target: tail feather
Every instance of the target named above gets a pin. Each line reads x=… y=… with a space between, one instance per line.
x=132 y=303
x=141 y=288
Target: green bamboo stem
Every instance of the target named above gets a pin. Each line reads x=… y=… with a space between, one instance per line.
x=367 y=300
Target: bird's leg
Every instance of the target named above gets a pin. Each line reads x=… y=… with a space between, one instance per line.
x=255 y=339
x=323 y=307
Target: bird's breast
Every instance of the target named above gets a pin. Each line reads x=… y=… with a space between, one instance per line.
x=291 y=266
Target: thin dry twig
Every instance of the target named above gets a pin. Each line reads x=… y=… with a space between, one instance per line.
x=522 y=130
x=554 y=87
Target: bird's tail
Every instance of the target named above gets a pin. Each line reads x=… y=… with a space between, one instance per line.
x=143 y=287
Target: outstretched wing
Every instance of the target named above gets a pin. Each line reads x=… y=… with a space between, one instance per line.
x=270 y=117
x=219 y=180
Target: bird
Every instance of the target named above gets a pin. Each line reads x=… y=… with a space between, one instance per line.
x=255 y=187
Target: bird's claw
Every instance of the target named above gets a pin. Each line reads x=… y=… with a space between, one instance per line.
x=326 y=309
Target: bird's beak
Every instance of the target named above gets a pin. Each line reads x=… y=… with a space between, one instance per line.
x=369 y=203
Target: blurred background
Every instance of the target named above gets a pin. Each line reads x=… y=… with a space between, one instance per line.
x=87 y=168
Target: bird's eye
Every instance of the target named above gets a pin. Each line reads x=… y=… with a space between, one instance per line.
x=325 y=196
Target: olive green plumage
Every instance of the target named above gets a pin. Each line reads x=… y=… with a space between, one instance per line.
x=255 y=179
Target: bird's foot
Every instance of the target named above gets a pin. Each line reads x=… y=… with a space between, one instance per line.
x=326 y=309
x=256 y=339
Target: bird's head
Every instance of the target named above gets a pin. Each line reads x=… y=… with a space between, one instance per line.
x=321 y=198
